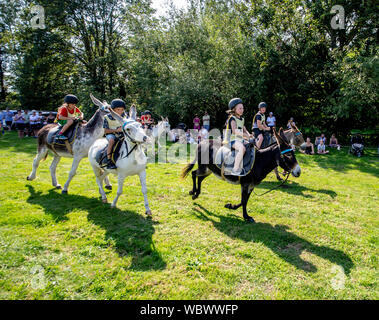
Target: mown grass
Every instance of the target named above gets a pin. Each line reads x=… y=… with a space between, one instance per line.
x=55 y=246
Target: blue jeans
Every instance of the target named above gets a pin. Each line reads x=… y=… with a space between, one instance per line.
x=207 y=127
x=110 y=136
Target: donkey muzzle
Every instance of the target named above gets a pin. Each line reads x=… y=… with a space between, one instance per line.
x=296 y=171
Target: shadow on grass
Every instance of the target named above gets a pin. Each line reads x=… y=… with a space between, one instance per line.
x=286 y=245
x=12 y=143
x=131 y=232
x=296 y=189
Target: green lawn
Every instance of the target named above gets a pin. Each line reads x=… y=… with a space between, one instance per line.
x=317 y=238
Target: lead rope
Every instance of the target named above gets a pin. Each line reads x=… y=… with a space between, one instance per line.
x=259 y=195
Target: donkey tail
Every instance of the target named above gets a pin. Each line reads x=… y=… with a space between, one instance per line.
x=186 y=170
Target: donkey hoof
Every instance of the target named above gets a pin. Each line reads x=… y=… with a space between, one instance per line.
x=195 y=196
x=149 y=213
x=64 y=192
x=59 y=187
x=104 y=201
x=249 y=220
x=228 y=206
x=108 y=187
x=190 y=193
x=27 y=178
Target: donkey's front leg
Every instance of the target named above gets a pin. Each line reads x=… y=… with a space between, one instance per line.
x=53 y=169
x=72 y=173
x=121 y=179
x=277 y=174
x=246 y=192
x=142 y=179
x=40 y=155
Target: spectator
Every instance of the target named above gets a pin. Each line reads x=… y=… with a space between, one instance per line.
x=308 y=147
x=28 y=131
x=206 y=121
x=321 y=147
x=9 y=119
x=34 y=123
x=271 y=122
x=203 y=133
x=19 y=120
x=2 y=114
x=196 y=123
x=333 y=143
x=50 y=118
x=190 y=139
x=42 y=119
x=290 y=121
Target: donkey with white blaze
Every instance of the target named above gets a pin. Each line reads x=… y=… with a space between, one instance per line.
x=86 y=135
x=132 y=159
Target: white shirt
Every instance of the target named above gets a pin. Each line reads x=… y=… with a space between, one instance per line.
x=321 y=147
x=34 y=119
x=206 y=120
x=271 y=121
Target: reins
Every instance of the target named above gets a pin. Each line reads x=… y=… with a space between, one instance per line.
x=276 y=187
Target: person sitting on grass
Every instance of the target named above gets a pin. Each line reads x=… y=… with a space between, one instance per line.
x=113 y=129
x=67 y=113
x=321 y=148
x=333 y=143
x=308 y=147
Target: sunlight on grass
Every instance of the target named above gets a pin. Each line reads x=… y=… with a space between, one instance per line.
x=55 y=246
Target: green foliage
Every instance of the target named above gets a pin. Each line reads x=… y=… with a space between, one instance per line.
x=282 y=52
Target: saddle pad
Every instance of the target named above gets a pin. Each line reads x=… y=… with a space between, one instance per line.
x=226 y=157
x=70 y=134
x=101 y=156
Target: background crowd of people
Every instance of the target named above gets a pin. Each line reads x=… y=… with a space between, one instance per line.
x=26 y=122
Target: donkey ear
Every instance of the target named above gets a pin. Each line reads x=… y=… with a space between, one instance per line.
x=279 y=135
x=96 y=101
x=162 y=118
x=133 y=112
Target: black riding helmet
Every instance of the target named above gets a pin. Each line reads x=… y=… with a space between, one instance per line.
x=262 y=105
x=70 y=98
x=147 y=112
x=118 y=103
x=234 y=102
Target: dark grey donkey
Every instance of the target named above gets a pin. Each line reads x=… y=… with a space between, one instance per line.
x=86 y=135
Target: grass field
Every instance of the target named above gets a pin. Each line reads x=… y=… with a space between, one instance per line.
x=317 y=238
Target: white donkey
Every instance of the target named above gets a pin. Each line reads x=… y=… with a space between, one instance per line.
x=132 y=160
x=86 y=135
x=162 y=128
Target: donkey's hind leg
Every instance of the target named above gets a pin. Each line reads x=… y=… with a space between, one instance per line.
x=53 y=169
x=42 y=154
x=201 y=173
x=108 y=184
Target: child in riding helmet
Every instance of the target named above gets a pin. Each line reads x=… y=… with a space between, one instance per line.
x=67 y=113
x=235 y=133
x=112 y=129
x=259 y=124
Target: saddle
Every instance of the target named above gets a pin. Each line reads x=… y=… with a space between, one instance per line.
x=64 y=145
x=225 y=158
x=101 y=156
